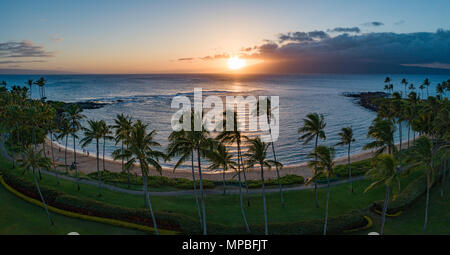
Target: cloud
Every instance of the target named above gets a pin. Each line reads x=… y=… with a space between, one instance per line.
x=302 y=36
x=22 y=49
x=345 y=30
x=363 y=52
x=217 y=56
x=56 y=38
x=400 y=22
x=4 y=62
x=373 y=24
x=185 y=59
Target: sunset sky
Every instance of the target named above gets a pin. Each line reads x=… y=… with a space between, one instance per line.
x=200 y=36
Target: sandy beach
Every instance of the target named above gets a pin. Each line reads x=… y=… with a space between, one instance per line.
x=87 y=164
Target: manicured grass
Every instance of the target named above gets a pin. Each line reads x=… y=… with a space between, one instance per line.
x=20 y=217
x=225 y=209
x=411 y=221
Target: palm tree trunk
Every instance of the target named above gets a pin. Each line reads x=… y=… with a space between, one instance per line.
x=427 y=203
x=122 y=159
x=53 y=157
x=65 y=155
x=444 y=177
x=195 y=190
x=326 y=205
x=104 y=144
x=128 y=169
x=385 y=206
x=75 y=162
x=315 y=183
x=98 y=173
x=149 y=203
x=42 y=197
x=241 y=198
x=276 y=167
x=349 y=169
x=243 y=171
x=409 y=130
x=202 y=198
x=266 y=226
x=43 y=149
x=223 y=180
x=400 y=134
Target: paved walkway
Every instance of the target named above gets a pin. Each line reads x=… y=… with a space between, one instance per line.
x=5 y=154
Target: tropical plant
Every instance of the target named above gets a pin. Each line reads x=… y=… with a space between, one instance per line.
x=122 y=126
x=430 y=155
x=221 y=158
x=313 y=128
x=31 y=160
x=322 y=159
x=385 y=172
x=141 y=150
x=74 y=115
x=405 y=83
x=267 y=111
x=235 y=136
x=257 y=154
x=346 y=136
x=94 y=131
x=106 y=135
x=382 y=131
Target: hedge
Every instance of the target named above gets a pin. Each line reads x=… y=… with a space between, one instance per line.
x=173 y=221
x=289 y=179
x=153 y=181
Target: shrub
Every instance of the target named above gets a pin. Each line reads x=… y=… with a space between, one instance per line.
x=152 y=181
x=289 y=179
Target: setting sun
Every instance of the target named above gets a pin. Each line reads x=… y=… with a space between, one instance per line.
x=235 y=63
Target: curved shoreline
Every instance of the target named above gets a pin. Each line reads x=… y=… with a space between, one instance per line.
x=87 y=164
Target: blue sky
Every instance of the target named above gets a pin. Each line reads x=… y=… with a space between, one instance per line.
x=147 y=36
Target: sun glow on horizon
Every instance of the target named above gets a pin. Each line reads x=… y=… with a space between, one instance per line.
x=235 y=63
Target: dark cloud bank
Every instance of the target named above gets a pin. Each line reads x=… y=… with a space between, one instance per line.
x=317 y=52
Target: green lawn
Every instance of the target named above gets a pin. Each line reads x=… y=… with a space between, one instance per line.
x=20 y=217
x=225 y=209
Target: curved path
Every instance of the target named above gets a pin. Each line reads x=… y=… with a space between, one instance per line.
x=5 y=154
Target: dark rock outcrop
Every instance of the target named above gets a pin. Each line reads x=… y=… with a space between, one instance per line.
x=366 y=99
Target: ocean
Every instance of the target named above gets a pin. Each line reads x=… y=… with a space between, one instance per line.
x=149 y=97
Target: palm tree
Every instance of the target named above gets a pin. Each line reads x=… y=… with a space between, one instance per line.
x=94 y=131
x=323 y=160
x=141 y=150
x=257 y=154
x=421 y=87
x=405 y=83
x=439 y=90
x=313 y=127
x=268 y=112
x=426 y=83
x=346 y=136
x=222 y=158
x=385 y=171
x=74 y=116
x=387 y=82
x=63 y=132
x=424 y=151
x=182 y=145
x=411 y=87
x=122 y=128
x=41 y=84
x=106 y=135
x=398 y=111
x=382 y=131
x=231 y=137
x=32 y=159
x=30 y=85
